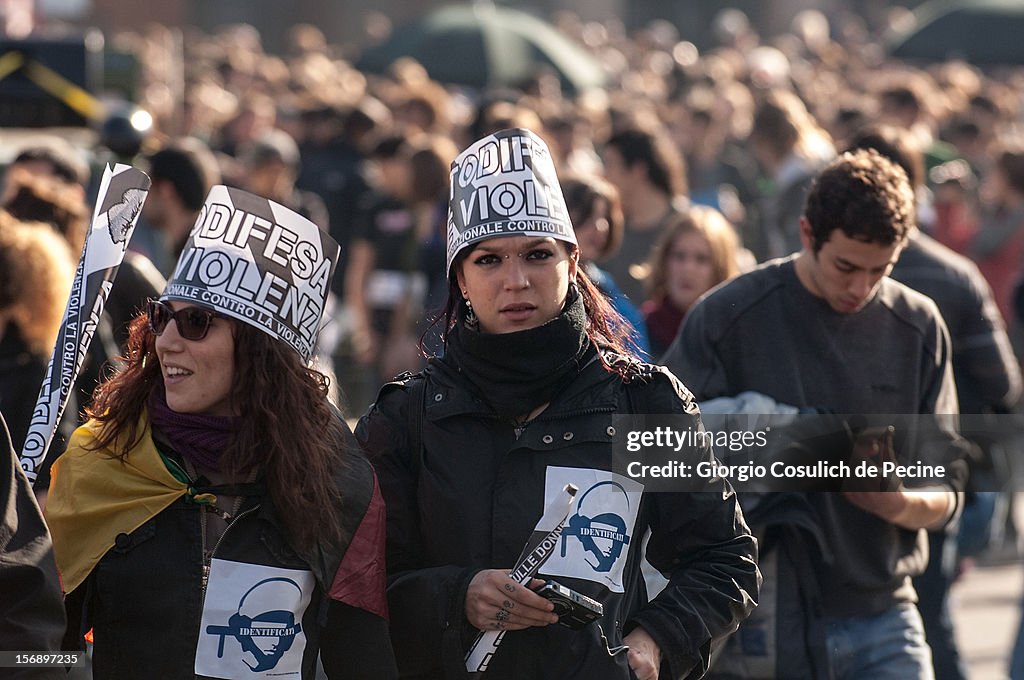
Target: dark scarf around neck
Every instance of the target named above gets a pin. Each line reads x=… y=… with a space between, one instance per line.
x=199 y=439
x=517 y=372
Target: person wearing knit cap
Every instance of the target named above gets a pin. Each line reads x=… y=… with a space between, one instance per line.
x=472 y=451
x=216 y=501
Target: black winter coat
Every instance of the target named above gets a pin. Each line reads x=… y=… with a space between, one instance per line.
x=470 y=497
x=144 y=600
x=31 y=615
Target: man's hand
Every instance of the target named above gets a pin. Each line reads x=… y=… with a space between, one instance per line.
x=644 y=655
x=496 y=602
x=926 y=508
x=889 y=505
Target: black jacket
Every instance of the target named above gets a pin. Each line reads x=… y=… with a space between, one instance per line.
x=144 y=600
x=31 y=615
x=471 y=496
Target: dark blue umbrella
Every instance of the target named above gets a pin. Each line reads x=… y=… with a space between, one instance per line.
x=484 y=46
x=982 y=32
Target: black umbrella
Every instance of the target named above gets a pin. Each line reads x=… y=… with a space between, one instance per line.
x=980 y=32
x=485 y=46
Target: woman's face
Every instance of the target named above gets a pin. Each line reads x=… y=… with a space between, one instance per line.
x=516 y=282
x=198 y=374
x=395 y=177
x=689 y=269
x=593 y=234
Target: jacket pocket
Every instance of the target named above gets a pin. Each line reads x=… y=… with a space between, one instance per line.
x=119 y=597
x=118 y=568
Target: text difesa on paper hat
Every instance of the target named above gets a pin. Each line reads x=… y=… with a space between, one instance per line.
x=258 y=262
x=505 y=185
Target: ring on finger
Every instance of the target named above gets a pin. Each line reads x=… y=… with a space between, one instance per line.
x=501 y=615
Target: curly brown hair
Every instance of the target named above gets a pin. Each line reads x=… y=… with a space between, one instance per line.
x=288 y=431
x=865 y=195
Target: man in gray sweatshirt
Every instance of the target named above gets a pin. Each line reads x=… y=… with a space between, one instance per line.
x=827 y=328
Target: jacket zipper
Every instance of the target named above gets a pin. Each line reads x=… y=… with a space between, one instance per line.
x=208 y=562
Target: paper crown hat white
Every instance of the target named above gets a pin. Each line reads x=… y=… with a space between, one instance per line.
x=259 y=262
x=505 y=185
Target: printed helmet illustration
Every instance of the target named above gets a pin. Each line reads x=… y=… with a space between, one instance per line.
x=264 y=624
x=602 y=535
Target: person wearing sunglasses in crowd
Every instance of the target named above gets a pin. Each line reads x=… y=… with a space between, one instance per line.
x=521 y=405
x=214 y=517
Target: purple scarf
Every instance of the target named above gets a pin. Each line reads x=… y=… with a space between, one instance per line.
x=199 y=439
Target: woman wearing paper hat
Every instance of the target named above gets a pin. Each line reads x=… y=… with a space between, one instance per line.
x=478 y=456
x=213 y=468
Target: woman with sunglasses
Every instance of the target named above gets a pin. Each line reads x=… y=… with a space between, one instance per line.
x=214 y=517
x=474 y=451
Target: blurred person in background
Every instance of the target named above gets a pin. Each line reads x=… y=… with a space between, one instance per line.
x=907 y=101
x=423 y=107
x=253 y=119
x=332 y=167
x=504 y=110
x=38 y=198
x=720 y=172
x=649 y=172
x=698 y=250
x=998 y=244
x=47 y=157
x=791 y=148
x=270 y=165
x=430 y=163
x=381 y=263
x=955 y=206
x=596 y=214
x=396 y=267
x=182 y=174
x=571 y=146
x=36 y=270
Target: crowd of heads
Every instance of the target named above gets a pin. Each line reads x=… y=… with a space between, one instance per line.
x=723 y=133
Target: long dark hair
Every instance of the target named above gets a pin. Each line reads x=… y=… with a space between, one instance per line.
x=288 y=429
x=606 y=328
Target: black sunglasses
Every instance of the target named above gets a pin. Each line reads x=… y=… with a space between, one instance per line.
x=193 y=322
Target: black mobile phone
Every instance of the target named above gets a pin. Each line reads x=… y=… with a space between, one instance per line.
x=573 y=609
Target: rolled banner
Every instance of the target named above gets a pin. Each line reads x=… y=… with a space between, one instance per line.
x=540 y=546
x=122 y=192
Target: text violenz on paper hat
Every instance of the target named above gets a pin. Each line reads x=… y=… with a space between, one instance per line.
x=505 y=185
x=260 y=263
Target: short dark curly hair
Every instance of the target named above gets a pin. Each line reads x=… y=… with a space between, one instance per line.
x=865 y=195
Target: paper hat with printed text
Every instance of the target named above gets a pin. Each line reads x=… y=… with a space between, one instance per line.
x=505 y=185
x=259 y=262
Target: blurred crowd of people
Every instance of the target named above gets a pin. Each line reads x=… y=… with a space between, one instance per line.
x=741 y=128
